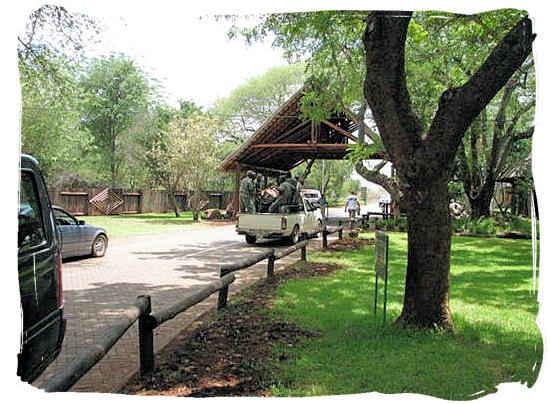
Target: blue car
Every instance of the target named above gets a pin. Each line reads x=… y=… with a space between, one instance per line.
x=79 y=238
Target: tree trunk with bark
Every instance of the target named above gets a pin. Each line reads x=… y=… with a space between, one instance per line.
x=423 y=160
x=480 y=203
x=427 y=285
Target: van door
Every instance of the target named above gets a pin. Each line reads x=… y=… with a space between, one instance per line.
x=39 y=284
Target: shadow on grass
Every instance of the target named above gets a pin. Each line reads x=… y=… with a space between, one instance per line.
x=497 y=339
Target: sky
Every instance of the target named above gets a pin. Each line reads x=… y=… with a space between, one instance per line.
x=190 y=55
x=194 y=60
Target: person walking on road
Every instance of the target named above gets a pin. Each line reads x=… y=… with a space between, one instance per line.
x=247 y=193
x=352 y=207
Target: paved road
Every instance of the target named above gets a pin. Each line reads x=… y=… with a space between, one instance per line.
x=166 y=266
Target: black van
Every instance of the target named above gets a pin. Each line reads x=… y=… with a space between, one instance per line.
x=39 y=264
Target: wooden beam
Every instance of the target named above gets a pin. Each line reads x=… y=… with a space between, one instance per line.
x=282 y=136
x=333 y=146
x=339 y=129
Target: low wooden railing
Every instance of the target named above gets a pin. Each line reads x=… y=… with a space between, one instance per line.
x=141 y=311
x=327 y=232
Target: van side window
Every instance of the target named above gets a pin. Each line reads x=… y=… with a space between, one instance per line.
x=31 y=224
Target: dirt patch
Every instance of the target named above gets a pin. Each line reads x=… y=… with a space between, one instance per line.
x=348 y=244
x=231 y=354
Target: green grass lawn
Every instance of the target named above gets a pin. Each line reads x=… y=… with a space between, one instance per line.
x=494 y=310
x=122 y=226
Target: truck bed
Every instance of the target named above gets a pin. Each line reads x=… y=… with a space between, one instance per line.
x=260 y=221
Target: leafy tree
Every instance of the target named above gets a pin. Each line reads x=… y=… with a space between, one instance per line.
x=181 y=156
x=52 y=31
x=423 y=159
x=50 y=119
x=249 y=105
x=498 y=143
x=48 y=51
x=499 y=137
x=115 y=91
x=330 y=178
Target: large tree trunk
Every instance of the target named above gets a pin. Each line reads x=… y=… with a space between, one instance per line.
x=426 y=301
x=172 y=197
x=423 y=160
x=480 y=204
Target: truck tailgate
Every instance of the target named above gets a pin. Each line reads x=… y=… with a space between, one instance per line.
x=260 y=221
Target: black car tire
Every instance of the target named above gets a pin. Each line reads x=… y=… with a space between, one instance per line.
x=250 y=239
x=295 y=236
x=99 y=246
x=319 y=229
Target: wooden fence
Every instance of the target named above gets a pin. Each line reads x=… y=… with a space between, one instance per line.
x=141 y=311
x=77 y=200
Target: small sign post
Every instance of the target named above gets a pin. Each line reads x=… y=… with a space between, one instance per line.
x=381 y=268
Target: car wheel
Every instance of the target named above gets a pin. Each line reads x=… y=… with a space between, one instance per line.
x=250 y=239
x=99 y=246
x=295 y=235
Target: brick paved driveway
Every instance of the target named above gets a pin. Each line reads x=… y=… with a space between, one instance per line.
x=164 y=266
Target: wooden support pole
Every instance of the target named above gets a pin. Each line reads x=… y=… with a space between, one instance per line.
x=340 y=233
x=303 y=256
x=145 y=327
x=271 y=268
x=236 y=205
x=325 y=242
x=224 y=292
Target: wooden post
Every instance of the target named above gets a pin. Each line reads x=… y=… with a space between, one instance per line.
x=146 y=326
x=236 y=204
x=340 y=233
x=222 y=296
x=325 y=243
x=303 y=254
x=270 y=267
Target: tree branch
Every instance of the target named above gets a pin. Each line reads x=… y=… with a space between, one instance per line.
x=458 y=107
x=385 y=87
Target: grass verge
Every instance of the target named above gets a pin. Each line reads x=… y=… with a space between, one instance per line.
x=493 y=306
x=122 y=226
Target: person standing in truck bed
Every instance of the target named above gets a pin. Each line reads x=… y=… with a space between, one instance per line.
x=247 y=193
x=285 y=198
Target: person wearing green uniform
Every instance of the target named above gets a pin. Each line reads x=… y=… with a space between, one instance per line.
x=247 y=193
x=286 y=197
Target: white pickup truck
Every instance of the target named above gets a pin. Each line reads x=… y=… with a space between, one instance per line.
x=301 y=221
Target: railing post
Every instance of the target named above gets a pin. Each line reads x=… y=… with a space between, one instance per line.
x=303 y=256
x=340 y=233
x=271 y=267
x=145 y=327
x=222 y=296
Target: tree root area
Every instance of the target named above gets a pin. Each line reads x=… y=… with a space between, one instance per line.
x=348 y=244
x=230 y=354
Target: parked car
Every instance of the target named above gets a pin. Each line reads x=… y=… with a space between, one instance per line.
x=79 y=238
x=39 y=267
x=311 y=195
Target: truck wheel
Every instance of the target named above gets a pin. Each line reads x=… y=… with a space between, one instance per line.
x=294 y=236
x=318 y=229
x=250 y=239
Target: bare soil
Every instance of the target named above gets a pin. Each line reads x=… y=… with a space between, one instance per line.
x=229 y=354
x=348 y=244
